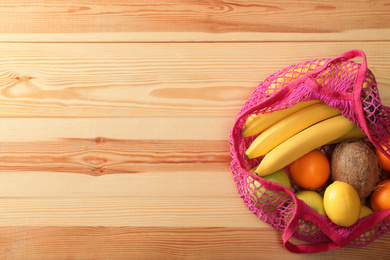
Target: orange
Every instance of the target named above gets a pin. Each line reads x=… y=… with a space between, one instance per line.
x=380 y=197
x=383 y=160
x=311 y=171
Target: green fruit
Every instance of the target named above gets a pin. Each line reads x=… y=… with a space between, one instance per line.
x=307 y=228
x=263 y=197
x=364 y=212
x=316 y=202
x=313 y=199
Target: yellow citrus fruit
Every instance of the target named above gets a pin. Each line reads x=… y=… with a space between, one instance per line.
x=342 y=203
x=265 y=197
x=313 y=199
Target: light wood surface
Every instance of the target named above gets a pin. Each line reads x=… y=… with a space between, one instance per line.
x=115 y=118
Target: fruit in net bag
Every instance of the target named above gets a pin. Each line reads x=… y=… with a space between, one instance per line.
x=355 y=163
x=342 y=203
x=380 y=198
x=312 y=199
x=384 y=162
x=311 y=171
x=263 y=197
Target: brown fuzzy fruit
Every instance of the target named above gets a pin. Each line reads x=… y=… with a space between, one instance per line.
x=355 y=163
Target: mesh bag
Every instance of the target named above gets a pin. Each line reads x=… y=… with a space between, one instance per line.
x=341 y=83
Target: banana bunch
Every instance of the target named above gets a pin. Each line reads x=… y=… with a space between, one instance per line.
x=286 y=135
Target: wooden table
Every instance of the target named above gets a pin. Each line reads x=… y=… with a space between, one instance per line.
x=115 y=118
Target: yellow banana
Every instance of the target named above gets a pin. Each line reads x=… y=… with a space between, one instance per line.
x=303 y=142
x=289 y=126
x=355 y=133
x=256 y=124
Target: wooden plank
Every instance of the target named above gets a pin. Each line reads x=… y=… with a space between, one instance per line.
x=174 y=211
x=115 y=119
x=54 y=184
x=99 y=156
x=363 y=35
x=132 y=157
x=163 y=20
x=140 y=80
x=86 y=242
x=81 y=130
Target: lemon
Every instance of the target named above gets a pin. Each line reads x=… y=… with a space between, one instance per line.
x=313 y=199
x=342 y=203
x=265 y=197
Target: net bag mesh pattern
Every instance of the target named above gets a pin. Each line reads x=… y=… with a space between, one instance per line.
x=344 y=84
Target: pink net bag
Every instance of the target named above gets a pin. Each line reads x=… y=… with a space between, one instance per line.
x=341 y=83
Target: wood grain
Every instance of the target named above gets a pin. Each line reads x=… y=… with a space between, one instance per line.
x=100 y=156
x=159 y=243
x=42 y=129
x=115 y=119
x=139 y=80
x=53 y=184
x=163 y=20
x=137 y=211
